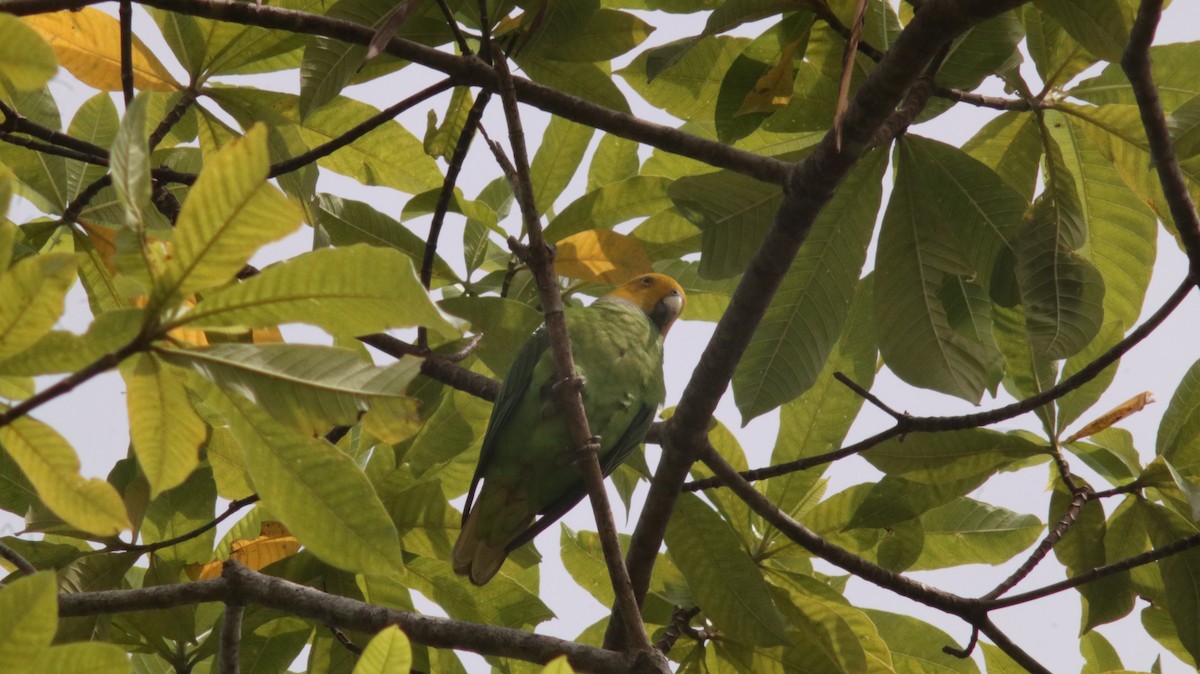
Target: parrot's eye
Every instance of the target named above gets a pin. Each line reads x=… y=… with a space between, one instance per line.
x=647 y=281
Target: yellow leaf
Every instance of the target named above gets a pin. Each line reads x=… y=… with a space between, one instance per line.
x=558 y=665
x=268 y=335
x=105 y=241
x=601 y=256
x=88 y=45
x=274 y=543
x=775 y=88
x=1134 y=404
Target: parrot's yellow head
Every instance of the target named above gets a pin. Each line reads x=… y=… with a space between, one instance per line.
x=659 y=296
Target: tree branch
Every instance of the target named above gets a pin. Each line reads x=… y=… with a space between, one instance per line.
x=464 y=70
x=1136 y=63
x=978 y=419
x=125 y=16
x=24 y=566
x=232 y=508
x=1078 y=500
x=238 y=583
x=229 y=647
x=540 y=258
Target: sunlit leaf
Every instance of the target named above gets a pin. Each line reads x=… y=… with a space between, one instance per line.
x=28 y=619
x=26 y=60
x=387 y=652
x=229 y=213
x=601 y=256
x=337 y=289
x=50 y=463
x=88 y=44
x=273 y=543
x=165 y=430
x=31 y=299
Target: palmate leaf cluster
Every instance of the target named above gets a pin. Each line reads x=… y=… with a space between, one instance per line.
x=1005 y=265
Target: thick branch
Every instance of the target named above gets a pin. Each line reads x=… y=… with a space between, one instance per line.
x=1136 y=63
x=243 y=585
x=465 y=70
x=540 y=258
x=229 y=647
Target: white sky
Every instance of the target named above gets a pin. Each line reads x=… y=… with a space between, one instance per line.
x=93 y=417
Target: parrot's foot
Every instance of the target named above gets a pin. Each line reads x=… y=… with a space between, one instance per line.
x=577 y=383
x=592 y=446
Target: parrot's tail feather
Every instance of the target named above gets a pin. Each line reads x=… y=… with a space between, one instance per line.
x=474 y=557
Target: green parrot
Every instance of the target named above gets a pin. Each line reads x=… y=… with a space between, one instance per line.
x=527 y=463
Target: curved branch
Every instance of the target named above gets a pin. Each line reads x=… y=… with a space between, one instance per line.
x=232 y=508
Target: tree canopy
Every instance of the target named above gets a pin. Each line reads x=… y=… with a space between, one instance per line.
x=279 y=495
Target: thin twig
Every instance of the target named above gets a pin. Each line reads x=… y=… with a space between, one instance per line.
x=540 y=258
x=232 y=508
x=965 y=652
x=358 y=131
x=977 y=419
x=680 y=621
x=459 y=38
x=457 y=160
x=186 y=98
x=345 y=640
x=869 y=397
x=24 y=566
x=1011 y=649
x=1078 y=500
x=229 y=647
x=1096 y=573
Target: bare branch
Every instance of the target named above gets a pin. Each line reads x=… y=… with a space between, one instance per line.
x=24 y=566
x=1078 y=500
x=540 y=257
x=232 y=508
x=229 y=647
x=125 y=16
x=249 y=587
x=1001 y=640
x=1136 y=63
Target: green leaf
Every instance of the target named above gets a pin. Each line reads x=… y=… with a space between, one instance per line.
x=1184 y=124
x=1122 y=232
x=31 y=299
x=721 y=576
x=808 y=312
x=165 y=431
x=610 y=205
x=183 y=510
x=616 y=159
x=917 y=646
x=1057 y=55
x=507 y=324
x=1179 y=433
x=1081 y=549
x=475 y=211
x=817 y=422
x=1101 y=26
x=589 y=81
x=348 y=222
x=59 y=351
x=607 y=34
x=387 y=652
x=130 y=161
x=733 y=212
x=42 y=176
x=688 y=87
x=930 y=458
x=894 y=499
x=987 y=48
x=1179 y=574
x=82 y=658
x=96 y=122
x=336 y=289
x=1171 y=66
x=390 y=155
x=931 y=316
x=1061 y=293
x=583 y=557
x=229 y=213
x=557 y=160
x=309 y=388
x=503 y=601
x=1098 y=654
x=1111 y=454
x=317 y=492
x=966 y=531
x=26 y=59
x=45 y=457
x=440 y=141
x=28 y=619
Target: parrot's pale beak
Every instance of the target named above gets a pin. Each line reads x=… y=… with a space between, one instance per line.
x=667 y=310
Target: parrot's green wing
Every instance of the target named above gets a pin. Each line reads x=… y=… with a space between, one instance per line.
x=514 y=388
x=631 y=438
